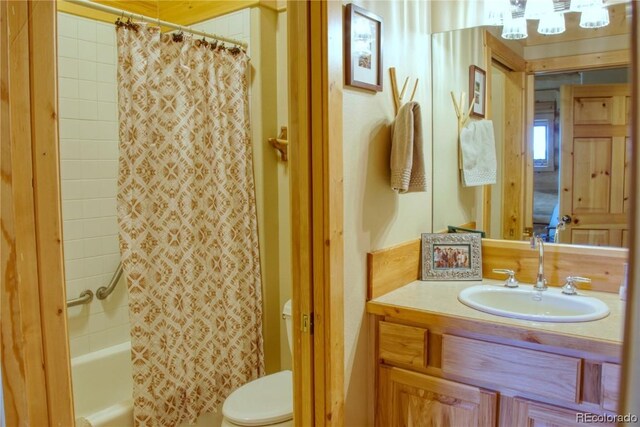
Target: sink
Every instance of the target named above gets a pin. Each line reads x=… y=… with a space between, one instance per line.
x=525 y=303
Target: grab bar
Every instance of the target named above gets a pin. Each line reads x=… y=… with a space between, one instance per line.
x=85 y=297
x=105 y=291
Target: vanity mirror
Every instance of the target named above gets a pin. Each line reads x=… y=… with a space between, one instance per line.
x=560 y=108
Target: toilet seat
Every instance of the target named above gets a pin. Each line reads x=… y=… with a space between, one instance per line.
x=267 y=400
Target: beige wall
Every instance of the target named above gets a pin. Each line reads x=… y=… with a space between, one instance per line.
x=376 y=217
x=453 y=53
x=284 y=203
x=264 y=124
x=448 y=15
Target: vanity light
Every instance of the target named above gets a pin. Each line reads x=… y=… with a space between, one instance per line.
x=515 y=29
x=552 y=23
x=536 y=9
x=582 y=5
x=497 y=12
x=596 y=17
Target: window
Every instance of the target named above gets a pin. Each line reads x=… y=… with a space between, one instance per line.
x=543 y=144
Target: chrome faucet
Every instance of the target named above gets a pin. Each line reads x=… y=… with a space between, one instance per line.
x=541 y=282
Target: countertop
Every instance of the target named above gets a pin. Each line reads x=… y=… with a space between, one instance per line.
x=437 y=303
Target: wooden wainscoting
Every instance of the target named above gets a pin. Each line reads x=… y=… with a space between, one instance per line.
x=391 y=268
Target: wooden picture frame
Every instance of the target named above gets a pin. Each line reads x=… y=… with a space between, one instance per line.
x=478 y=91
x=363 y=49
x=456 y=256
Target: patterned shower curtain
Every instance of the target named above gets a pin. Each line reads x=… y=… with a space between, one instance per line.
x=188 y=224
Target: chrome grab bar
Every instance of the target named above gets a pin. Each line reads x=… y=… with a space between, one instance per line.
x=85 y=297
x=105 y=291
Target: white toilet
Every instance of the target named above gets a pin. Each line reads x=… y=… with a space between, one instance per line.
x=267 y=401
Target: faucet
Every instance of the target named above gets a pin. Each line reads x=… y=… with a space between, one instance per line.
x=541 y=282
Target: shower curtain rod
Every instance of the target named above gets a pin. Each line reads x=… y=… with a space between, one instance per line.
x=159 y=22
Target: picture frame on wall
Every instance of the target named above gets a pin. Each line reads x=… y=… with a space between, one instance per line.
x=478 y=91
x=363 y=49
x=456 y=256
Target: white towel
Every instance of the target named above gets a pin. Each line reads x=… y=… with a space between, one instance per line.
x=478 y=150
x=407 y=154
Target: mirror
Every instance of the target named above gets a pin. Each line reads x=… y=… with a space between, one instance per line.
x=520 y=99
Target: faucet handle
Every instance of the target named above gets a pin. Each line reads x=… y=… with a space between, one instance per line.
x=510 y=281
x=570 y=287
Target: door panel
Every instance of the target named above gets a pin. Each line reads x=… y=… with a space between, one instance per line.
x=595 y=152
x=408 y=398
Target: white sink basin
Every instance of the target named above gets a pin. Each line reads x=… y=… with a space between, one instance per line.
x=525 y=303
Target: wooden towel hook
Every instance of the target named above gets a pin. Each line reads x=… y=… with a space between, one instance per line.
x=463 y=115
x=280 y=143
x=397 y=97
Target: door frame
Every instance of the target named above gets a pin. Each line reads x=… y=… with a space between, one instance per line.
x=37 y=374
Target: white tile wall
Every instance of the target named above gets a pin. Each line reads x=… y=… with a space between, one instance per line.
x=235 y=25
x=89 y=168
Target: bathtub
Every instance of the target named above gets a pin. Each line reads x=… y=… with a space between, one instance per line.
x=102 y=387
x=102 y=384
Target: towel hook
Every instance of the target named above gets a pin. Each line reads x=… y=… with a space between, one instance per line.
x=397 y=97
x=463 y=115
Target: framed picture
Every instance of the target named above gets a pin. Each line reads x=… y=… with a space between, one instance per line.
x=363 y=49
x=477 y=89
x=456 y=256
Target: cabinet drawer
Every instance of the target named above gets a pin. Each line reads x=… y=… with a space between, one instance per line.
x=402 y=344
x=545 y=374
x=610 y=386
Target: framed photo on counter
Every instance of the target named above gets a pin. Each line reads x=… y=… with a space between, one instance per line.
x=455 y=256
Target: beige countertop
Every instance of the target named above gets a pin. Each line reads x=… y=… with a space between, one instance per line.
x=429 y=302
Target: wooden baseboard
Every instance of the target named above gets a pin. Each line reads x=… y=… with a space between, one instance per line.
x=391 y=268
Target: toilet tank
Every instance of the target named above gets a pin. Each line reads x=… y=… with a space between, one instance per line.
x=286 y=315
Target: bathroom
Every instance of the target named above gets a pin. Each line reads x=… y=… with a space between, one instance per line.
x=367 y=212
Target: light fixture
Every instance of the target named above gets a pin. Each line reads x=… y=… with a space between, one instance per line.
x=515 y=29
x=497 y=12
x=536 y=9
x=596 y=17
x=582 y=5
x=552 y=23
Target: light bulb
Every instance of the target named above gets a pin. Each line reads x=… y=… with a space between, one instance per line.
x=497 y=12
x=515 y=29
x=580 y=5
x=594 y=18
x=551 y=24
x=536 y=9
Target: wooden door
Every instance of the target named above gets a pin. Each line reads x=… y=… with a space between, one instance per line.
x=526 y=413
x=411 y=399
x=594 y=173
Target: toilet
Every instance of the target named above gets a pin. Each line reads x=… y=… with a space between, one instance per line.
x=267 y=401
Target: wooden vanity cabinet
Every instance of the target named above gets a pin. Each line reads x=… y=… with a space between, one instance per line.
x=427 y=378
x=407 y=398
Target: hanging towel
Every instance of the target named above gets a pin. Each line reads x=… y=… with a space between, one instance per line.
x=478 y=150
x=407 y=159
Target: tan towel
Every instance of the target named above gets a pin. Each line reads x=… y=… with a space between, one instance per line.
x=407 y=159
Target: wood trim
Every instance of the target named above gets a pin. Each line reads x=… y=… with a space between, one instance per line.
x=302 y=260
x=327 y=215
x=630 y=387
x=391 y=268
x=36 y=368
x=501 y=53
x=48 y=205
x=614 y=58
x=315 y=105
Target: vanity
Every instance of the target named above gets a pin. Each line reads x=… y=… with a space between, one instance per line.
x=442 y=361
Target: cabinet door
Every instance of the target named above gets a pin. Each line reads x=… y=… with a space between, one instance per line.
x=526 y=413
x=411 y=399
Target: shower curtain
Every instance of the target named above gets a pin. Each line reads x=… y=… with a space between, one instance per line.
x=188 y=224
